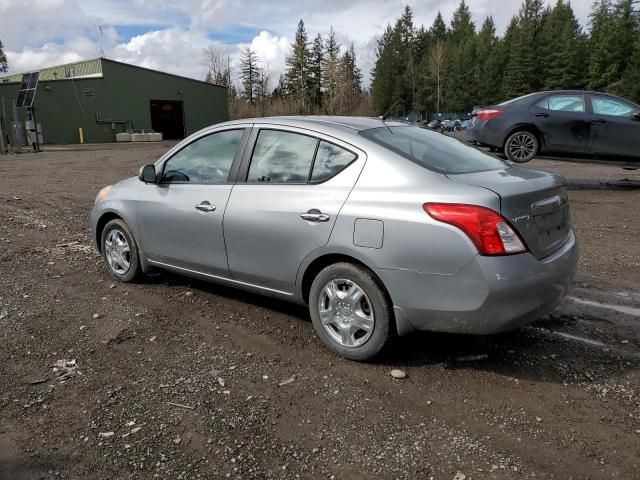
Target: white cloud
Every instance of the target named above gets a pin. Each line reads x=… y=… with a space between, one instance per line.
x=174 y=50
x=270 y=49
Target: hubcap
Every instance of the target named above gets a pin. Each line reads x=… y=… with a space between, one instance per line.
x=117 y=251
x=345 y=312
x=522 y=146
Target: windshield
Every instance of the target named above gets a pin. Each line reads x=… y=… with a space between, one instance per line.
x=434 y=151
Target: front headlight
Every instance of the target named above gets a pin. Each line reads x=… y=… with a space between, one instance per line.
x=103 y=193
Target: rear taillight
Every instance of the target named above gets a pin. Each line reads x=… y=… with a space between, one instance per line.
x=488 y=113
x=488 y=230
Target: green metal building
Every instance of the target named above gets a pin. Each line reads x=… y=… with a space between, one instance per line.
x=104 y=97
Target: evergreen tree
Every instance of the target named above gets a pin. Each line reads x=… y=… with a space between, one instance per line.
x=439 y=28
x=249 y=74
x=297 y=68
x=563 y=49
x=315 y=70
x=382 y=75
x=523 y=73
x=462 y=76
x=490 y=60
x=614 y=29
x=351 y=81
x=4 y=65
x=331 y=71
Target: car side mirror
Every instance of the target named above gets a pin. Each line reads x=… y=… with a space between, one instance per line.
x=147 y=174
x=636 y=116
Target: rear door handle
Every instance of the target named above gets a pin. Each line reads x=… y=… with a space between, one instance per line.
x=598 y=120
x=541 y=114
x=205 y=207
x=315 y=215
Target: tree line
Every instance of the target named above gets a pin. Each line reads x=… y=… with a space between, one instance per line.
x=455 y=67
x=320 y=77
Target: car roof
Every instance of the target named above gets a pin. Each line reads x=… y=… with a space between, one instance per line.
x=322 y=122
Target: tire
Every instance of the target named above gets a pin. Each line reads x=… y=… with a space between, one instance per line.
x=521 y=146
x=117 y=259
x=371 y=309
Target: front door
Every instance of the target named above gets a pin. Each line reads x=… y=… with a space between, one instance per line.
x=180 y=218
x=295 y=185
x=564 y=123
x=614 y=131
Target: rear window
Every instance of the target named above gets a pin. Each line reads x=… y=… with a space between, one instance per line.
x=434 y=151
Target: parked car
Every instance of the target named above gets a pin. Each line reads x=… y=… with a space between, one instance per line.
x=445 y=125
x=379 y=227
x=563 y=122
x=465 y=123
x=434 y=124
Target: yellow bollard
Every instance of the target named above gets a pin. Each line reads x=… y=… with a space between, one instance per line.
x=81 y=135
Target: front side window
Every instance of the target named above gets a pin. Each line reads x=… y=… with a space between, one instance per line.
x=563 y=103
x=609 y=106
x=282 y=157
x=207 y=160
x=330 y=160
x=433 y=150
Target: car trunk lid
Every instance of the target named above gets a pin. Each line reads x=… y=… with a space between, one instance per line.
x=534 y=202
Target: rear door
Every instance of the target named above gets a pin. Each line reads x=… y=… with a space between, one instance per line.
x=614 y=131
x=295 y=183
x=563 y=121
x=180 y=218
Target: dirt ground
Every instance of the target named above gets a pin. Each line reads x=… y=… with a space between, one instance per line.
x=173 y=378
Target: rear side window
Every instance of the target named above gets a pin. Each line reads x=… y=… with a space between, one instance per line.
x=282 y=157
x=433 y=150
x=330 y=159
x=563 y=103
x=206 y=160
x=609 y=106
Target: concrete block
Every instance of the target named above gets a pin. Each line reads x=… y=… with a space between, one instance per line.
x=123 y=137
x=155 y=137
x=139 y=137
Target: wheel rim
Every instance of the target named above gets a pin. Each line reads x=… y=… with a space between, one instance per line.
x=117 y=251
x=522 y=146
x=345 y=312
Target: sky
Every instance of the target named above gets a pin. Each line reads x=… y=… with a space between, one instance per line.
x=170 y=35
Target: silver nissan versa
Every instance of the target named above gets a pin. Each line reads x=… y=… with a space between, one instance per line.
x=381 y=228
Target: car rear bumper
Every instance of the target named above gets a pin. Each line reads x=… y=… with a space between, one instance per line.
x=489 y=295
x=485 y=133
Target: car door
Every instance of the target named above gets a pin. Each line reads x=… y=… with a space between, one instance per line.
x=180 y=217
x=614 y=130
x=295 y=183
x=563 y=121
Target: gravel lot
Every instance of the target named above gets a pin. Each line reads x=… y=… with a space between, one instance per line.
x=173 y=378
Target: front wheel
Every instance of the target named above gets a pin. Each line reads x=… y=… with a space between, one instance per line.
x=120 y=252
x=350 y=311
x=521 y=146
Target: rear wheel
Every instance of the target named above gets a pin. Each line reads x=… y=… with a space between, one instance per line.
x=521 y=146
x=350 y=311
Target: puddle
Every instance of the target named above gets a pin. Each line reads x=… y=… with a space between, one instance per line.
x=618 y=308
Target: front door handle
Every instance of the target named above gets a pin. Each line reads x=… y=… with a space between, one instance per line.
x=541 y=114
x=205 y=207
x=598 y=120
x=315 y=215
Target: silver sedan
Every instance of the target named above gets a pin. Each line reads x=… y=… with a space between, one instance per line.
x=381 y=228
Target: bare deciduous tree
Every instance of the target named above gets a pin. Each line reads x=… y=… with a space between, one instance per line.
x=437 y=59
